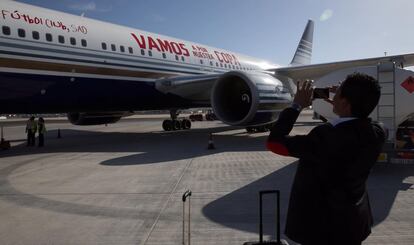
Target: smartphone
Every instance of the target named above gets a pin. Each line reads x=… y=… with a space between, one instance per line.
x=321 y=93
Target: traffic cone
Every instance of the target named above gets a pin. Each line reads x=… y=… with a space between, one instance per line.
x=59 y=136
x=210 y=142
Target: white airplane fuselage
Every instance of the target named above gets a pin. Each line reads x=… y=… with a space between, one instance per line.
x=56 y=62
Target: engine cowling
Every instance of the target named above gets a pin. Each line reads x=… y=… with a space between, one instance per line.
x=242 y=99
x=95 y=118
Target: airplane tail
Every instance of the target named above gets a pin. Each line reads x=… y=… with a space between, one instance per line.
x=303 y=54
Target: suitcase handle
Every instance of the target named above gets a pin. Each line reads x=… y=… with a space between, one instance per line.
x=185 y=195
x=262 y=193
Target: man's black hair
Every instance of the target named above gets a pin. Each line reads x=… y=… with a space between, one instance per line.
x=362 y=92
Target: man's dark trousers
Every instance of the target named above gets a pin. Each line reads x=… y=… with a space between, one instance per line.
x=31 y=137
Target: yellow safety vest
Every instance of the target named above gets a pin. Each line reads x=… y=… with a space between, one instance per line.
x=42 y=128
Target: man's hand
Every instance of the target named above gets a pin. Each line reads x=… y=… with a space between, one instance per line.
x=303 y=96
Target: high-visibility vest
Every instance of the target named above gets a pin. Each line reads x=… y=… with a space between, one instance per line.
x=42 y=128
x=31 y=125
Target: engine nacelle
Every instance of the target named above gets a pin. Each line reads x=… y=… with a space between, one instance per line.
x=95 y=118
x=240 y=98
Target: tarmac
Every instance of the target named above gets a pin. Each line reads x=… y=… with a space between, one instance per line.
x=123 y=184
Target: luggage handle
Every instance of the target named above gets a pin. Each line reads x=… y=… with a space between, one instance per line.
x=186 y=195
x=262 y=193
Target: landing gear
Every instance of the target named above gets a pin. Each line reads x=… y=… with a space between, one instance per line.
x=174 y=124
x=260 y=128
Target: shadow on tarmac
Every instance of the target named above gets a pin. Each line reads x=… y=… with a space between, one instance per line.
x=149 y=147
x=236 y=210
x=384 y=183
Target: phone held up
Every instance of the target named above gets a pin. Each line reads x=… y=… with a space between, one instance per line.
x=320 y=93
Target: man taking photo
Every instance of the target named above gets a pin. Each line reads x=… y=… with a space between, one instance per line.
x=329 y=204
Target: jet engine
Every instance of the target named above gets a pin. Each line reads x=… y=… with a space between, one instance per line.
x=243 y=99
x=95 y=118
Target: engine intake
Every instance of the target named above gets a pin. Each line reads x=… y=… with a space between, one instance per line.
x=240 y=98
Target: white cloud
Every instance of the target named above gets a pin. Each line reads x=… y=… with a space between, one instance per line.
x=326 y=15
x=91 y=6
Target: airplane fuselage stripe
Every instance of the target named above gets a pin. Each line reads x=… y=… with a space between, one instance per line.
x=51 y=58
x=62 y=67
x=114 y=56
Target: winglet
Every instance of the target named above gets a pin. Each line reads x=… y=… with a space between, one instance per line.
x=303 y=54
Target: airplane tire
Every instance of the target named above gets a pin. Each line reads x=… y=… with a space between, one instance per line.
x=185 y=124
x=167 y=125
x=250 y=129
x=176 y=125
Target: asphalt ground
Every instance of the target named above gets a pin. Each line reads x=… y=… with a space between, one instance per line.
x=123 y=184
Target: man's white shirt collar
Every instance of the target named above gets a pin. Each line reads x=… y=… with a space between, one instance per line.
x=336 y=121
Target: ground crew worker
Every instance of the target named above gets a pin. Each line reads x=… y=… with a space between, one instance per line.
x=42 y=130
x=31 y=128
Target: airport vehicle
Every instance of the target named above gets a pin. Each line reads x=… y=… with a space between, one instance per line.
x=395 y=108
x=53 y=62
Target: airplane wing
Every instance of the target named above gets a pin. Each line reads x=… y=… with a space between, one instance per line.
x=317 y=70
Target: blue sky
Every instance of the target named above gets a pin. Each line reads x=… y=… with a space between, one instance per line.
x=267 y=29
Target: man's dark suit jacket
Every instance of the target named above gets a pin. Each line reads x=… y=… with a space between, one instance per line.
x=328 y=200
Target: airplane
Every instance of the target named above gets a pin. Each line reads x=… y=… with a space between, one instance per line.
x=98 y=72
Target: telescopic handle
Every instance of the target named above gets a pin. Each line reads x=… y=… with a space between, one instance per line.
x=262 y=193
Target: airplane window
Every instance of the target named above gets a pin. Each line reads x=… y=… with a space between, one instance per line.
x=6 y=30
x=150 y=53
x=104 y=46
x=211 y=63
x=35 y=35
x=164 y=55
x=182 y=58
x=84 y=43
x=233 y=66
x=176 y=57
x=61 y=39
x=217 y=64
x=131 y=51
x=113 y=47
x=201 y=61
x=72 y=41
x=221 y=65
x=225 y=65
x=21 y=32
x=142 y=52
x=49 y=37
x=122 y=48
